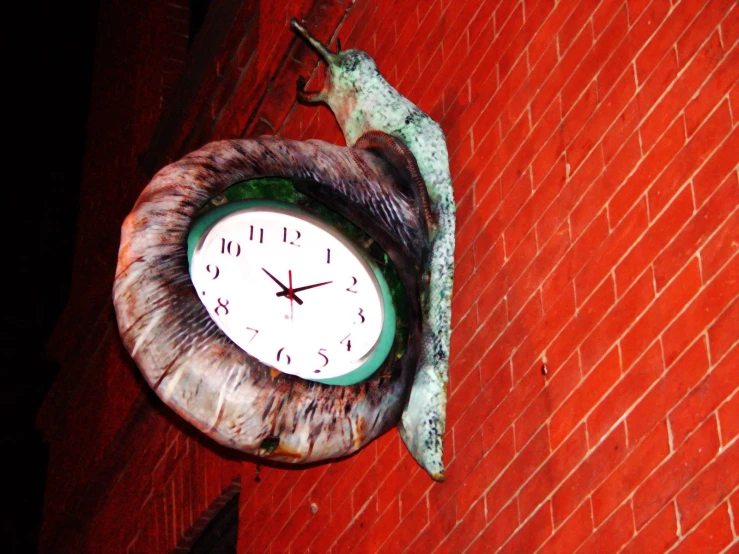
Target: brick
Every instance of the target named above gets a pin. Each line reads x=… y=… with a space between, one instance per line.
x=633 y=383
x=560 y=382
x=463 y=394
x=515 y=333
x=593 y=61
x=541 y=265
x=568 y=197
x=572 y=533
x=613 y=248
x=497 y=531
x=622 y=128
x=518 y=472
x=549 y=158
x=550 y=475
x=574 y=259
x=531 y=81
x=696 y=232
x=701 y=27
x=689 y=159
x=646 y=173
x=374 y=476
x=464 y=329
x=375 y=536
x=490 y=397
x=534 y=206
x=339 y=521
x=718 y=385
x=362 y=520
x=722 y=334
x=485 y=473
x=641 y=461
x=721 y=246
x=624 y=54
x=659 y=488
x=660 y=313
x=712 y=91
x=711 y=536
x=543 y=40
x=585 y=397
x=722 y=162
x=602 y=117
x=439 y=527
x=591 y=472
x=458 y=471
x=663 y=40
x=414 y=493
x=576 y=23
x=728 y=29
x=557 y=78
x=510 y=408
x=549 y=326
x=728 y=419
x=530 y=536
x=682 y=90
x=709 y=488
x=702 y=310
x=611 y=535
x=589 y=314
x=578 y=112
x=465 y=531
x=659 y=233
x=658 y=536
x=615 y=323
x=681 y=377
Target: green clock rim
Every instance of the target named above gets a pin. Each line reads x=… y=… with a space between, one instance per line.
x=387 y=336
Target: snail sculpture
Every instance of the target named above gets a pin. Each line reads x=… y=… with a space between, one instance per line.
x=393 y=181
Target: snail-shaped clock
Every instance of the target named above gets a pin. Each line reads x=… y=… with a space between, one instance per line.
x=292 y=299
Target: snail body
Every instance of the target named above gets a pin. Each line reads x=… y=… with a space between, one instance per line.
x=364 y=102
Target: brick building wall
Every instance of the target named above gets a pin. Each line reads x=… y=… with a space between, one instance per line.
x=593 y=391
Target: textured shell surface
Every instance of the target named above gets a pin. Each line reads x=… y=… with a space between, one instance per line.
x=194 y=367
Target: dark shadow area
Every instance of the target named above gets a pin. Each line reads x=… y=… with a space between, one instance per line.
x=49 y=77
x=221 y=534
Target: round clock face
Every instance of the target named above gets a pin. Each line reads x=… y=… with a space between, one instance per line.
x=292 y=291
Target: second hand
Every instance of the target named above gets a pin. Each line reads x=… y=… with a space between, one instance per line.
x=290 y=291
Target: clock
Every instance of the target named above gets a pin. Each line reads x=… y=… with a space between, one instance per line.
x=290 y=289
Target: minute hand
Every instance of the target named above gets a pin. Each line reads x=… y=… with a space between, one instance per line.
x=300 y=289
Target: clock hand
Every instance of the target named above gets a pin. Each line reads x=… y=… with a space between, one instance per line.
x=285 y=290
x=290 y=294
x=301 y=289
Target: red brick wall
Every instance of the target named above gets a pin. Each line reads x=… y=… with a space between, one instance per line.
x=593 y=389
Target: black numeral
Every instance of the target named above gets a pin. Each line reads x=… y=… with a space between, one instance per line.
x=251 y=234
x=347 y=341
x=328 y=255
x=213 y=270
x=294 y=241
x=222 y=308
x=350 y=288
x=256 y=332
x=360 y=314
x=231 y=247
x=322 y=355
x=279 y=354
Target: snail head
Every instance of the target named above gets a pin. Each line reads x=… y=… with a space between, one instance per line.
x=346 y=71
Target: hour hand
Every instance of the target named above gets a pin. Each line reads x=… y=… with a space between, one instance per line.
x=285 y=290
x=300 y=289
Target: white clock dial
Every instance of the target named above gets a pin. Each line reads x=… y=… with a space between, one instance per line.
x=290 y=290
